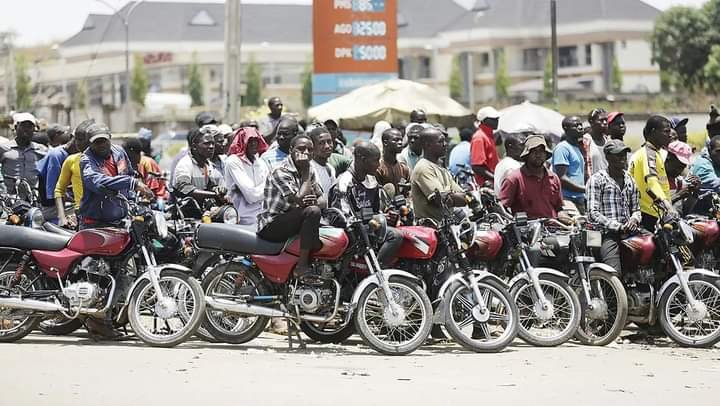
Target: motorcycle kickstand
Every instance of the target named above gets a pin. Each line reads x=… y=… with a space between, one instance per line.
x=296 y=328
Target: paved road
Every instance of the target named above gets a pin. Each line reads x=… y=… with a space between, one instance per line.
x=58 y=371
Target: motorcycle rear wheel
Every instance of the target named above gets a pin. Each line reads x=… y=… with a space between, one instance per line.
x=673 y=313
x=16 y=324
x=185 y=292
x=499 y=330
x=371 y=319
x=533 y=329
x=327 y=334
x=230 y=327
x=600 y=332
x=60 y=326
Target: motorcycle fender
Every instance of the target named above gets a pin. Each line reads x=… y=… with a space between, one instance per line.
x=478 y=275
x=373 y=280
x=676 y=280
x=204 y=260
x=159 y=269
x=599 y=266
x=539 y=271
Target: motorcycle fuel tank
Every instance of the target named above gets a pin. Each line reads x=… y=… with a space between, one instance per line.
x=708 y=232
x=488 y=244
x=100 y=241
x=638 y=249
x=418 y=242
x=334 y=242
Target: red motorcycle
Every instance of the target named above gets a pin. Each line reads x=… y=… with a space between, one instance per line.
x=93 y=274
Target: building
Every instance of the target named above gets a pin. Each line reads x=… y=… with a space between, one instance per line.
x=432 y=34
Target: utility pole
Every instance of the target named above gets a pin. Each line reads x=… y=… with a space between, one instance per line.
x=555 y=51
x=6 y=39
x=231 y=72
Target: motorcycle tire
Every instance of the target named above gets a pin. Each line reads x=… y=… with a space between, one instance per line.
x=498 y=299
x=212 y=326
x=60 y=326
x=674 y=298
x=26 y=326
x=583 y=334
x=185 y=289
x=526 y=311
x=372 y=297
x=327 y=336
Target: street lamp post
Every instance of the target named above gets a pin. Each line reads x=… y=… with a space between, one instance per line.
x=479 y=7
x=555 y=51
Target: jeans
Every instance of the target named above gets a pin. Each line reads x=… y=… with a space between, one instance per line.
x=610 y=252
x=303 y=221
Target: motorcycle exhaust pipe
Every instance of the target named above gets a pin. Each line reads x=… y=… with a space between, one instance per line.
x=26 y=304
x=243 y=308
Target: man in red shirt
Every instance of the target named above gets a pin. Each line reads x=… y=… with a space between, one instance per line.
x=483 y=155
x=533 y=189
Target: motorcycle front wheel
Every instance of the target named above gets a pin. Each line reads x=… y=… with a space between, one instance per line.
x=399 y=330
x=490 y=332
x=172 y=320
x=602 y=324
x=546 y=327
x=698 y=327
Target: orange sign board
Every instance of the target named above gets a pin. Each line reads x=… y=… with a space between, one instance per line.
x=355 y=36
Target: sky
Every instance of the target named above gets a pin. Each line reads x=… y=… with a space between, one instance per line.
x=52 y=21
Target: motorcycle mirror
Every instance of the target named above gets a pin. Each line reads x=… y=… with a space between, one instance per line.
x=389 y=189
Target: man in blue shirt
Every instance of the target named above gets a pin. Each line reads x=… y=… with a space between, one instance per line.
x=707 y=165
x=460 y=155
x=286 y=131
x=569 y=164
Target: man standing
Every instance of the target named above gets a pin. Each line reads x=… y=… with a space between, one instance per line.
x=195 y=175
x=460 y=155
x=569 y=164
x=707 y=165
x=391 y=170
x=413 y=151
x=616 y=125
x=324 y=173
x=70 y=175
x=648 y=170
x=513 y=150
x=680 y=126
x=286 y=131
x=19 y=157
x=431 y=182
x=269 y=123
x=594 y=142
x=613 y=202
x=533 y=189
x=418 y=116
x=483 y=154
x=57 y=135
x=105 y=167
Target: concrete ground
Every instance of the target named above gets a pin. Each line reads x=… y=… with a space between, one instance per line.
x=57 y=371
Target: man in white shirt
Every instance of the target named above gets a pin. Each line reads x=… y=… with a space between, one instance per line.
x=246 y=174
x=324 y=173
x=513 y=149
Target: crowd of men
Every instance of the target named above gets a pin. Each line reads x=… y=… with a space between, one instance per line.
x=282 y=175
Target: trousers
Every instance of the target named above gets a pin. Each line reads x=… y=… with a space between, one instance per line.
x=303 y=221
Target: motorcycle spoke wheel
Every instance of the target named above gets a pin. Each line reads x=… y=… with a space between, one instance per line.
x=231 y=323
x=603 y=324
x=15 y=324
x=553 y=328
x=689 y=327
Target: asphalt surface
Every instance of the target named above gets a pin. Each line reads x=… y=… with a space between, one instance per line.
x=55 y=371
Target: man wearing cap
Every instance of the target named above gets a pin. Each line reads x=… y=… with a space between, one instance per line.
x=414 y=149
x=616 y=125
x=19 y=157
x=680 y=126
x=683 y=191
x=533 y=189
x=418 y=116
x=483 y=154
x=104 y=167
x=613 y=202
x=568 y=162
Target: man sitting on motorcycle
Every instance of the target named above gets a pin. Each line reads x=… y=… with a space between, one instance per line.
x=293 y=201
x=195 y=176
x=359 y=183
x=613 y=202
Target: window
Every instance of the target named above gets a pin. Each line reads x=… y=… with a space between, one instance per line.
x=401 y=68
x=424 y=67
x=588 y=54
x=534 y=58
x=484 y=60
x=568 y=56
x=202 y=18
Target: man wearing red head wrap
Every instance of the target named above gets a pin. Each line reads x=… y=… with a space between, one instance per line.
x=245 y=175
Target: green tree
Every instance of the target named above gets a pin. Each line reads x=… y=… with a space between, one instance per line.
x=502 y=79
x=712 y=11
x=548 y=78
x=712 y=70
x=307 y=88
x=195 y=84
x=455 y=83
x=681 y=42
x=616 y=80
x=254 y=83
x=23 y=86
x=139 y=83
x=80 y=96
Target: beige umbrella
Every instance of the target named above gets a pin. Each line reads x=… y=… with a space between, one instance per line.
x=392 y=101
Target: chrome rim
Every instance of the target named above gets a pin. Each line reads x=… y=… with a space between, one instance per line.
x=680 y=316
x=599 y=322
x=230 y=323
x=153 y=316
x=403 y=329
x=495 y=328
x=558 y=324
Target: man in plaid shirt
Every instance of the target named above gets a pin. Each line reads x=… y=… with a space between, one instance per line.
x=613 y=202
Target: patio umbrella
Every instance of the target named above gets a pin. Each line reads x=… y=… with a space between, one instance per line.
x=528 y=117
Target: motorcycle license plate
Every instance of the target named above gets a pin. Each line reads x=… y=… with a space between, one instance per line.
x=593 y=239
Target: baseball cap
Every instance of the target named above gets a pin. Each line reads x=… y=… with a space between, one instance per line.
x=614 y=147
x=210 y=129
x=487 y=112
x=613 y=115
x=204 y=118
x=22 y=117
x=225 y=129
x=98 y=131
x=676 y=122
x=681 y=150
x=533 y=141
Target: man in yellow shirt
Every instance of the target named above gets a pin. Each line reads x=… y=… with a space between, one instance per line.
x=647 y=168
x=69 y=175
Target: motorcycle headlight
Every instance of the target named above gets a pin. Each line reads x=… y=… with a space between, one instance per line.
x=35 y=218
x=686 y=232
x=466 y=234
x=230 y=215
x=161 y=224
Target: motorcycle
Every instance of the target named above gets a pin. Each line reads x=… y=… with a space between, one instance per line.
x=93 y=274
x=391 y=312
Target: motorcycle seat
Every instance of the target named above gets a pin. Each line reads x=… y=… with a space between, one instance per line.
x=228 y=237
x=28 y=238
